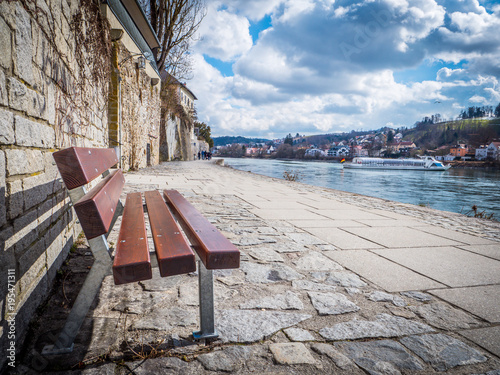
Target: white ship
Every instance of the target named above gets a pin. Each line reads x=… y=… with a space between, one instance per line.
x=426 y=163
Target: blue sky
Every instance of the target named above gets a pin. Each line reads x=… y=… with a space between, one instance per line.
x=266 y=68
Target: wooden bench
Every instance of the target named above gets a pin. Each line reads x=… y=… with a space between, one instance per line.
x=97 y=211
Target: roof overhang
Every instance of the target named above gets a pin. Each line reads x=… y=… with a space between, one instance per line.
x=135 y=23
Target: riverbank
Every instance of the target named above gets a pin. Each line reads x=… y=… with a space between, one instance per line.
x=466 y=164
x=330 y=282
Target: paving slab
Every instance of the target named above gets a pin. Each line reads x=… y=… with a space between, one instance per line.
x=384 y=325
x=326 y=223
x=447 y=265
x=458 y=236
x=284 y=214
x=488 y=338
x=342 y=239
x=491 y=251
x=287 y=204
x=400 y=237
x=382 y=272
x=381 y=357
x=442 y=351
x=353 y=213
x=324 y=204
x=482 y=301
x=388 y=223
x=291 y=353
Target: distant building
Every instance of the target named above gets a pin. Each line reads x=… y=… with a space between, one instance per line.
x=359 y=151
x=338 y=151
x=315 y=152
x=398 y=147
x=493 y=151
x=459 y=150
x=481 y=152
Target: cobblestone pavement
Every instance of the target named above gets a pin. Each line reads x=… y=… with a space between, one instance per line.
x=330 y=282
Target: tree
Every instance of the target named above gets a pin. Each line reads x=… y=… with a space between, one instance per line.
x=205 y=132
x=497 y=110
x=390 y=136
x=289 y=139
x=175 y=23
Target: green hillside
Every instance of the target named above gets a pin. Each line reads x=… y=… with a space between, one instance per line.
x=474 y=132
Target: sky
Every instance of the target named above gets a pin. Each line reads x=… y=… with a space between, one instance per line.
x=266 y=68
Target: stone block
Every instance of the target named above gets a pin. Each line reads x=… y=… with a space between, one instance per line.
x=45 y=213
x=18 y=95
x=29 y=300
x=15 y=199
x=3 y=209
x=5 y=234
x=291 y=353
x=30 y=133
x=37 y=106
x=8 y=12
x=4 y=95
x=443 y=352
x=5 y=45
x=35 y=190
x=33 y=275
x=17 y=162
x=7 y=135
x=26 y=232
x=30 y=256
x=46 y=22
x=54 y=248
x=51 y=104
x=23 y=48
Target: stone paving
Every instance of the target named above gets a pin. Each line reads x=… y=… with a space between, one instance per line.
x=330 y=282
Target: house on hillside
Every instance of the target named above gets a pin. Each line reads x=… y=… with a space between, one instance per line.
x=338 y=151
x=401 y=147
x=315 y=152
x=493 y=151
x=481 y=152
x=459 y=150
x=359 y=151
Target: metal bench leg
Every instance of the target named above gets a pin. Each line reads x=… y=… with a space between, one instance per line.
x=100 y=268
x=206 y=291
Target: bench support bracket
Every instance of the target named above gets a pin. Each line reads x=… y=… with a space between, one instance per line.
x=100 y=269
x=206 y=294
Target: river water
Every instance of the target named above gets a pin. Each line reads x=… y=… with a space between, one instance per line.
x=455 y=190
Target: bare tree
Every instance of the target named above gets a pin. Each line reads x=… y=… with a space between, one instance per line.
x=175 y=23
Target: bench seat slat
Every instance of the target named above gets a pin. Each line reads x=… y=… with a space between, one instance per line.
x=174 y=254
x=215 y=250
x=96 y=209
x=132 y=261
x=79 y=165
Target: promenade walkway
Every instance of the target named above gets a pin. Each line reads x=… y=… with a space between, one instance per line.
x=330 y=282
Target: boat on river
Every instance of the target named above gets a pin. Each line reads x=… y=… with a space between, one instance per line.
x=425 y=163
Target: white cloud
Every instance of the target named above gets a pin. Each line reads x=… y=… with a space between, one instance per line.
x=329 y=65
x=223 y=35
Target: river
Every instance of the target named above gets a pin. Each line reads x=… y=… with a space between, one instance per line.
x=455 y=190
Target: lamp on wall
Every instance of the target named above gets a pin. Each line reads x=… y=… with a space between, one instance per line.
x=141 y=62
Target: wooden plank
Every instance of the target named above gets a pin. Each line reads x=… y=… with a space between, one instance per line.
x=78 y=165
x=174 y=254
x=96 y=209
x=132 y=261
x=215 y=250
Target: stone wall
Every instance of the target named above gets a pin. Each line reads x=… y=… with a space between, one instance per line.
x=140 y=118
x=55 y=59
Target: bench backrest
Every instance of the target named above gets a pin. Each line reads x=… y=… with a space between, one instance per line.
x=95 y=209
